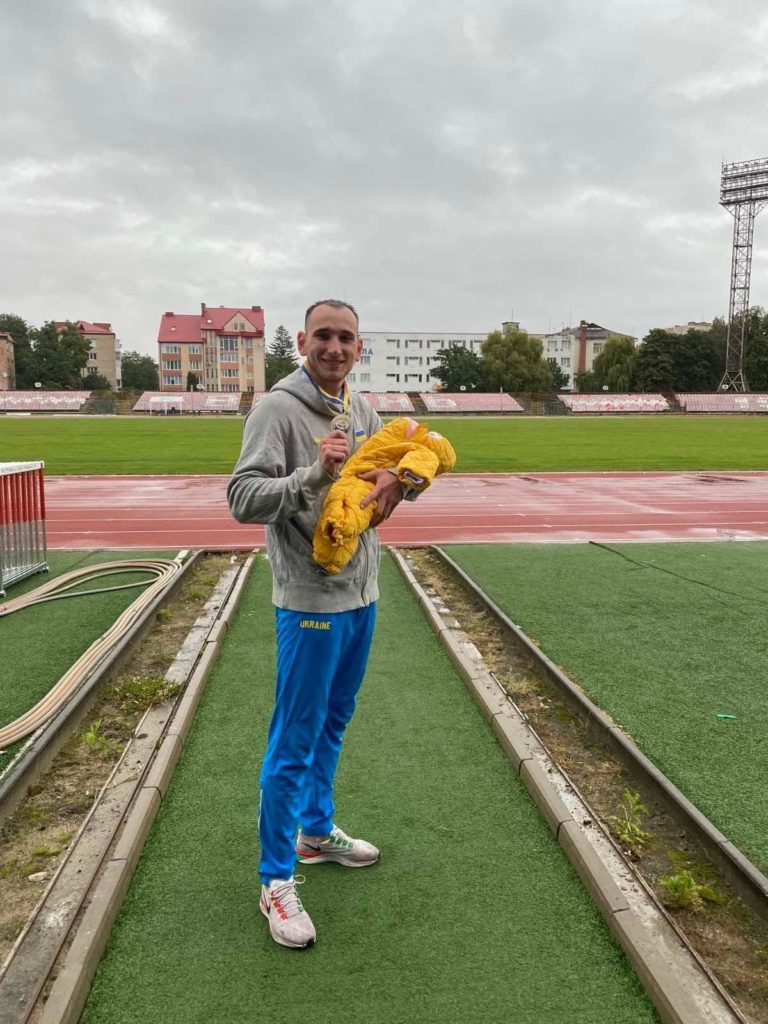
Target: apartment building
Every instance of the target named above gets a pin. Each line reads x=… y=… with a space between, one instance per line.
x=222 y=345
x=103 y=353
x=576 y=348
x=401 y=360
x=7 y=363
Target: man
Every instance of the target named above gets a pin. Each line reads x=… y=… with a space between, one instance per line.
x=295 y=442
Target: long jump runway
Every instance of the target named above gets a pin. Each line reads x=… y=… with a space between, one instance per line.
x=177 y=511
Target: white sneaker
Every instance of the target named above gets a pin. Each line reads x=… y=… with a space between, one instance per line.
x=289 y=923
x=337 y=847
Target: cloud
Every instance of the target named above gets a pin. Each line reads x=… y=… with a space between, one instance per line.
x=440 y=165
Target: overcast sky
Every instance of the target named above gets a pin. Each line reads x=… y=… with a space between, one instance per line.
x=443 y=166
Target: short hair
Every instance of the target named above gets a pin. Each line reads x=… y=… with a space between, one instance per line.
x=335 y=304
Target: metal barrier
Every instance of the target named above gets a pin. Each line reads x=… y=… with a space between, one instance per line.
x=23 y=547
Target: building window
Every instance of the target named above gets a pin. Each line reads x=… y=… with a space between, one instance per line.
x=194 y=364
x=195 y=350
x=92 y=356
x=394 y=376
x=229 y=357
x=176 y=349
x=228 y=344
x=351 y=377
x=171 y=378
x=394 y=359
x=230 y=388
x=365 y=378
x=92 y=369
x=230 y=373
x=597 y=347
x=365 y=360
x=566 y=361
x=172 y=364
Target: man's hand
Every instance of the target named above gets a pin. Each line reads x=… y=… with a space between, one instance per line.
x=333 y=453
x=387 y=493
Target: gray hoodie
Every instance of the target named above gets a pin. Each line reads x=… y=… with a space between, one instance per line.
x=279 y=481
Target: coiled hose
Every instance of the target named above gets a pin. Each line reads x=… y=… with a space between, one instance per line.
x=164 y=570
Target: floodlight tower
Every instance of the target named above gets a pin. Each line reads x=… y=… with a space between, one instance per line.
x=744 y=193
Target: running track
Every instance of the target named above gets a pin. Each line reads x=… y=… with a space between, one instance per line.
x=175 y=511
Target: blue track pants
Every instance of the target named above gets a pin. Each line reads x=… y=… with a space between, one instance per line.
x=321 y=661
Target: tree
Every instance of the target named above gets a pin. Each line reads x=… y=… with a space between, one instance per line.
x=139 y=372
x=96 y=382
x=585 y=383
x=655 y=362
x=73 y=355
x=280 y=358
x=699 y=358
x=192 y=381
x=615 y=366
x=514 y=362
x=459 y=367
x=23 y=353
x=560 y=378
x=756 y=358
x=60 y=357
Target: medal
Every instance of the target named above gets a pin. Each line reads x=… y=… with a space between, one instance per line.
x=341 y=422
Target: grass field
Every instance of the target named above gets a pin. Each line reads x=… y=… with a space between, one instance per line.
x=472 y=915
x=94 y=445
x=666 y=638
x=42 y=642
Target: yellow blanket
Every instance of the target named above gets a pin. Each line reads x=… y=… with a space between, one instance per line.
x=417 y=453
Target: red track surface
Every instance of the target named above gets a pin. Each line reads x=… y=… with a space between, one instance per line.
x=175 y=511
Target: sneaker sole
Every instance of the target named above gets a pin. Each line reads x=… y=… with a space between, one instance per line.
x=280 y=941
x=330 y=858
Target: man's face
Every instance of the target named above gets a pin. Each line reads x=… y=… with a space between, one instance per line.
x=330 y=345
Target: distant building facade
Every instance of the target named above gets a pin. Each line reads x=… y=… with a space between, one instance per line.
x=7 y=363
x=401 y=360
x=222 y=345
x=692 y=325
x=575 y=349
x=103 y=352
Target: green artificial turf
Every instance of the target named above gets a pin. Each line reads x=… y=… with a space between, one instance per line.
x=169 y=445
x=472 y=915
x=664 y=637
x=39 y=644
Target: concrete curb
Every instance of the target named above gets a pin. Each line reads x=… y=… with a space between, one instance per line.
x=142 y=796
x=679 y=987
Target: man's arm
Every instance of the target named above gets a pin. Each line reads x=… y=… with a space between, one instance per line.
x=261 y=490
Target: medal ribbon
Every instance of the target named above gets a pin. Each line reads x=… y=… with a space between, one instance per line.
x=334 y=404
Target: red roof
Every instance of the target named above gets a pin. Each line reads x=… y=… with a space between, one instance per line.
x=88 y=328
x=185 y=327
x=179 y=327
x=221 y=315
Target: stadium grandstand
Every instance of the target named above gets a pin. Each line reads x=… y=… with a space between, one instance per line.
x=43 y=401
x=469 y=402
x=388 y=401
x=615 y=403
x=724 y=402
x=257 y=397
x=163 y=403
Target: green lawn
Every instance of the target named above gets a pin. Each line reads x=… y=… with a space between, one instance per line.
x=472 y=915
x=665 y=637
x=211 y=445
x=40 y=643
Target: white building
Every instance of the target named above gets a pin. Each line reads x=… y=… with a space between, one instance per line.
x=401 y=360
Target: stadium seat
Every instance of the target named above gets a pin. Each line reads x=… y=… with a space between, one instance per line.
x=615 y=403
x=469 y=402
x=724 y=402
